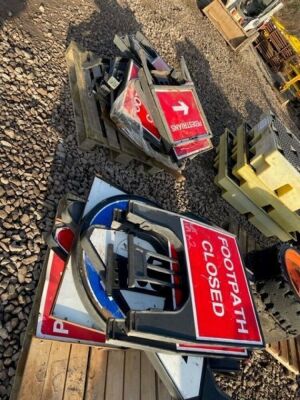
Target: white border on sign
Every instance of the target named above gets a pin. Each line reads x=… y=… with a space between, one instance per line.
x=240 y=352
x=43 y=298
x=186 y=375
x=100 y=190
x=199 y=108
x=225 y=233
x=52 y=336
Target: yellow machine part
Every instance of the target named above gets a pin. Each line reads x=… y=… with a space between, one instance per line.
x=292 y=75
x=293 y=40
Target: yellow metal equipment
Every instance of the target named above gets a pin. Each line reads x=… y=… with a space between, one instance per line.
x=291 y=70
x=293 y=40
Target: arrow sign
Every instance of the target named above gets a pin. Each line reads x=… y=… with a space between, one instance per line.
x=181 y=113
x=181 y=107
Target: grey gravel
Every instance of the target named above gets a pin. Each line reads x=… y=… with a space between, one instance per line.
x=40 y=160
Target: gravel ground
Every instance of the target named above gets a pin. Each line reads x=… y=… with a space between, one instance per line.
x=40 y=161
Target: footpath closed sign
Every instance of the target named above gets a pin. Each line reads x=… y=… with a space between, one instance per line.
x=182 y=114
x=223 y=308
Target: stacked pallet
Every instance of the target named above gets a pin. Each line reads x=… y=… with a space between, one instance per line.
x=56 y=370
x=93 y=125
x=258 y=172
x=287 y=352
x=137 y=106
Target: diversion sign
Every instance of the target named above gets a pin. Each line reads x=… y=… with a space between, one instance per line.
x=223 y=308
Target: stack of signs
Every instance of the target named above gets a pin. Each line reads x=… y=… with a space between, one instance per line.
x=123 y=272
x=151 y=103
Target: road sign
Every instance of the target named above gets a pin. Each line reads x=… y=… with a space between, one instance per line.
x=133 y=71
x=183 y=376
x=53 y=328
x=181 y=112
x=212 y=349
x=187 y=149
x=212 y=265
x=223 y=308
x=134 y=108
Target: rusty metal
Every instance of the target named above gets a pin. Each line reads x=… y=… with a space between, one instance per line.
x=273 y=47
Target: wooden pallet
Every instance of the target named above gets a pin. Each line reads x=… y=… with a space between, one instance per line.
x=287 y=352
x=56 y=370
x=53 y=370
x=93 y=125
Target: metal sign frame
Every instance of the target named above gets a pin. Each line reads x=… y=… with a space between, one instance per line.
x=186 y=378
x=150 y=90
x=117 y=337
x=168 y=326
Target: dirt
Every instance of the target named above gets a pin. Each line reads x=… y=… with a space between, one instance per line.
x=40 y=160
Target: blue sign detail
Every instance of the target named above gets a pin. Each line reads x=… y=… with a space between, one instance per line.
x=96 y=286
x=103 y=217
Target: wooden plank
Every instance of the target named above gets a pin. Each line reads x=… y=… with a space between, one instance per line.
x=35 y=370
x=56 y=371
x=284 y=351
x=111 y=133
x=297 y=340
x=287 y=353
x=294 y=355
x=88 y=105
x=96 y=376
x=132 y=375
x=148 y=380
x=76 y=374
x=162 y=392
x=30 y=330
x=115 y=368
x=140 y=156
x=274 y=348
x=83 y=141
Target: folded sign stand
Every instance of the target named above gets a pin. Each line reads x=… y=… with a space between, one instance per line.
x=141 y=277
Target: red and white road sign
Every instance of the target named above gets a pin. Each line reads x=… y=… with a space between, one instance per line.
x=213 y=349
x=223 y=308
x=133 y=71
x=137 y=110
x=50 y=327
x=187 y=149
x=182 y=113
